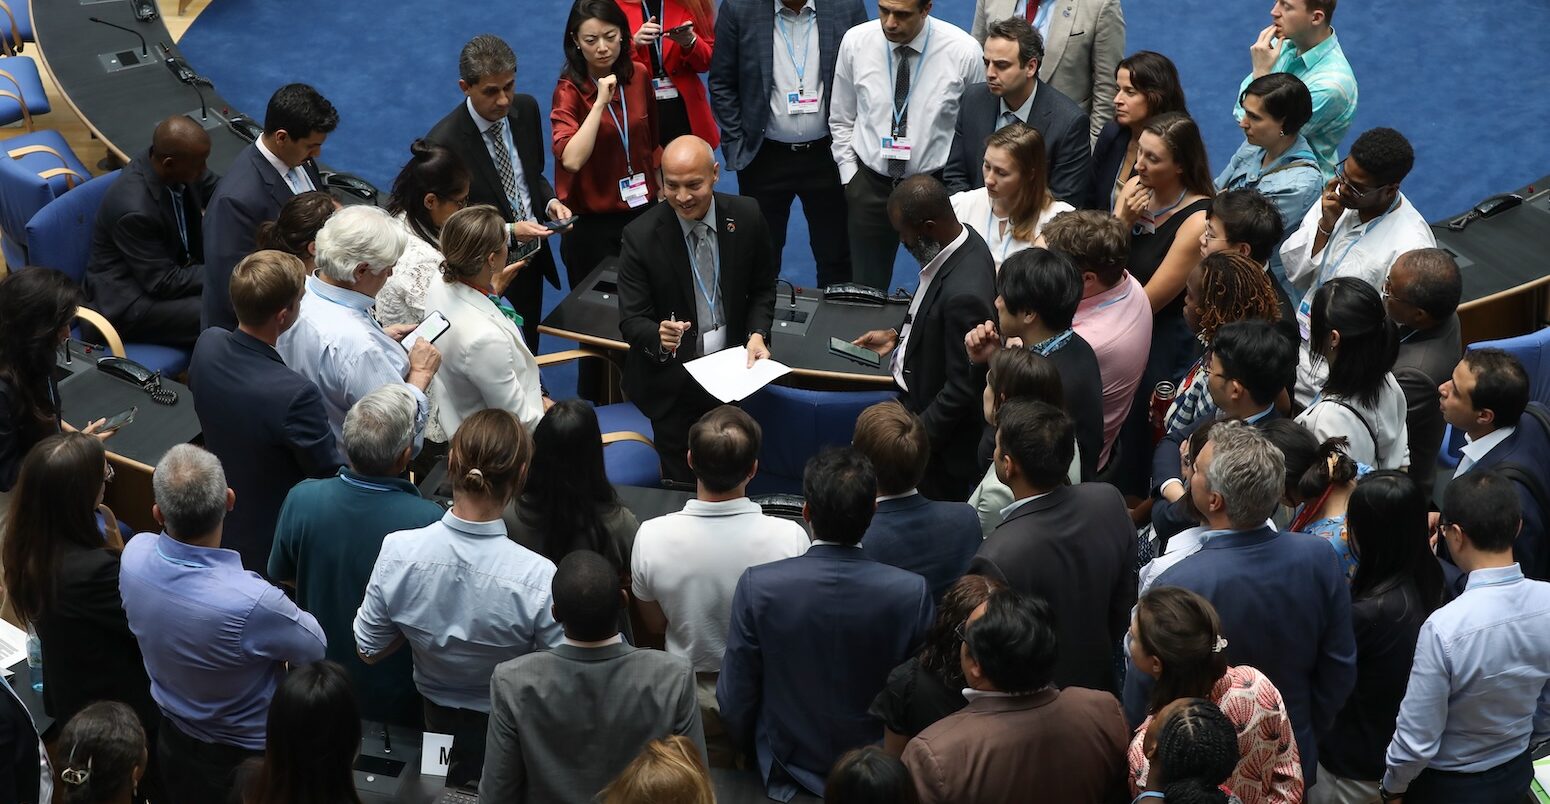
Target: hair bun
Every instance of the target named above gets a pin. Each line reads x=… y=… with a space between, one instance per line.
x=421 y=148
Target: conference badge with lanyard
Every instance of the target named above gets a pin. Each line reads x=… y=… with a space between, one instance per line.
x=897 y=146
x=1305 y=308
x=803 y=100
x=660 y=83
x=632 y=188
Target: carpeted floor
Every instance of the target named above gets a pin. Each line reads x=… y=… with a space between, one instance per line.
x=1464 y=81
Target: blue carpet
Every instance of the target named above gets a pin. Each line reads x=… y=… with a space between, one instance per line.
x=391 y=69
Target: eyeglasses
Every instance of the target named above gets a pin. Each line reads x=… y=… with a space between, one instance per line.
x=462 y=203
x=1211 y=236
x=958 y=631
x=1357 y=192
x=107 y=473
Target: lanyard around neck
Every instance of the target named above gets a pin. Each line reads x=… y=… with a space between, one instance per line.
x=623 y=128
x=900 y=110
x=1323 y=263
x=806 y=32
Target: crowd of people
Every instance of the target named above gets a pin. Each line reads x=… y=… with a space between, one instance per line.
x=1155 y=514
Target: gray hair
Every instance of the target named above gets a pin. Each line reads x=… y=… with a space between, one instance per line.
x=1247 y=470
x=378 y=429
x=359 y=234
x=190 y=489
x=485 y=55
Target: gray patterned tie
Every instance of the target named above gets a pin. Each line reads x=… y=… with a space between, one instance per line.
x=901 y=92
x=503 y=167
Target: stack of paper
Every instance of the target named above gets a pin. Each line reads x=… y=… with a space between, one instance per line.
x=727 y=377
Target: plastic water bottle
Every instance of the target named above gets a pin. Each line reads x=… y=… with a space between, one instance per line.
x=35 y=659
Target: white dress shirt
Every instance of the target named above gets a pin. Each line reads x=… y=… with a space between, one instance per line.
x=337 y=345
x=927 y=273
x=521 y=200
x=1476 y=448
x=796 y=42
x=295 y=177
x=974 y=209
x=485 y=362
x=861 y=102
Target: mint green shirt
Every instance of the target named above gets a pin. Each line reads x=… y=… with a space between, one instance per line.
x=1333 y=86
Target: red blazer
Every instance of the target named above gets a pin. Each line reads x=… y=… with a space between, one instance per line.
x=683 y=67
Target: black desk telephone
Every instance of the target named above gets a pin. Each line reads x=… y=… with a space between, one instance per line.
x=1495 y=205
x=136 y=374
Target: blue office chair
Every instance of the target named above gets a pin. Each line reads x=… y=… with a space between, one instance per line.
x=629 y=457
x=1533 y=350
x=797 y=425
x=35 y=169
x=21 y=90
x=18 y=26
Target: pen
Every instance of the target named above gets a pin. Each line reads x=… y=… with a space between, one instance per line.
x=673 y=317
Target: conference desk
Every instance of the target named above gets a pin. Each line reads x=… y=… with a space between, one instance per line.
x=1502 y=260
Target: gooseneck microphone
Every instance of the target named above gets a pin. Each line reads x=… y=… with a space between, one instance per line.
x=144 y=50
x=178 y=67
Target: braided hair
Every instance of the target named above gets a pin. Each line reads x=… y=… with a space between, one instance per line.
x=1234 y=288
x=1197 y=750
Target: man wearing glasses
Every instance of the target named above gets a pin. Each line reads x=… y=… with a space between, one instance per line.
x=1358 y=229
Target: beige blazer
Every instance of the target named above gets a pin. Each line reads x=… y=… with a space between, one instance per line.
x=1086 y=42
x=484 y=361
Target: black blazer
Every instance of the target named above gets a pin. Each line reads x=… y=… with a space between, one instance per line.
x=137 y=256
x=458 y=133
x=1426 y=360
x=944 y=387
x=21 y=775
x=89 y=653
x=267 y=425
x=1076 y=548
x=1057 y=117
x=655 y=282
x=250 y=194
x=1108 y=157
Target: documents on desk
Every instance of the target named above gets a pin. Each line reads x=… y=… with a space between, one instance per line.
x=726 y=376
x=13 y=646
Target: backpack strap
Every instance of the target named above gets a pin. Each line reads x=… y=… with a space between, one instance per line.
x=1300 y=163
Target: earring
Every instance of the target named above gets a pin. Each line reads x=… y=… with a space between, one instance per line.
x=1283 y=132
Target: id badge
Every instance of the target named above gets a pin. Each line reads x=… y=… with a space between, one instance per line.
x=896 y=148
x=716 y=340
x=1305 y=320
x=802 y=103
x=633 y=190
x=664 y=88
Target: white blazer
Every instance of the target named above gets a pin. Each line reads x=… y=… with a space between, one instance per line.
x=484 y=361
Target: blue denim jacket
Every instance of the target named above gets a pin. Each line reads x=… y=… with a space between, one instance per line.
x=1294 y=187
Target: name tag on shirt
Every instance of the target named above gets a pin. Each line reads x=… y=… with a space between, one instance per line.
x=801 y=103
x=633 y=190
x=716 y=340
x=664 y=88
x=1305 y=319
x=896 y=148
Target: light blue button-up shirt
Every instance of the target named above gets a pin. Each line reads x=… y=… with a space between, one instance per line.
x=1479 y=691
x=216 y=638
x=466 y=598
x=337 y=344
x=1329 y=78
x=1293 y=187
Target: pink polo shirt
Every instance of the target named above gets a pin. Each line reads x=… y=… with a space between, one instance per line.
x=1117 y=323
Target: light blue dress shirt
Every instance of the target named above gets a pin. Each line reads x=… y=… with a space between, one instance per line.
x=466 y=598
x=1293 y=188
x=216 y=638
x=1329 y=78
x=338 y=345
x=796 y=40
x=1479 y=691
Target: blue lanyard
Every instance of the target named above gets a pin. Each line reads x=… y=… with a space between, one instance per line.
x=624 y=130
x=1048 y=347
x=180 y=562
x=1149 y=794
x=807 y=47
x=694 y=266
x=1120 y=298
x=363 y=485
x=1325 y=261
x=898 y=113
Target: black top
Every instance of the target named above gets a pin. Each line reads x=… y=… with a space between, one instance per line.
x=1147 y=252
x=20 y=773
x=1081 y=383
x=1386 y=625
x=16 y=435
x=914 y=698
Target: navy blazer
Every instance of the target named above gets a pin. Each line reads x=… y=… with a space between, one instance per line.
x=1527 y=447
x=267 y=425
x=929 y=538
x=1062 y=123
x=250 y=194
x=741 y=68
x=1169 y=518
x=811 y=642
x=1285 y=608
x=1108 y=161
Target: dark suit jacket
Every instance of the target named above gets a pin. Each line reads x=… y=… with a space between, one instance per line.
x=458 y=133
x=267 y=425
x=1169 y=518
x=249 y=194
x=137 y=255
x=1529 y=448
x=932 y=539
x=795 y=714
x=1426 y=360
x=1066 y=141
x=1108 y=158
x=89 y=652
x=1081 y=381
x=21 y=775
x=656 y=281
x=1069 y=745
x=1286 y=610
x=741 y=70
x=1076 y=548
x=944 y=387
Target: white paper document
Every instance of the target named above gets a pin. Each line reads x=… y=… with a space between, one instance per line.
x=727 y=377
x=13 y=645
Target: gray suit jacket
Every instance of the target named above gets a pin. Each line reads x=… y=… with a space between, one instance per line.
x=565 y=722
x=741 y=69
x=1426 y=360
x=1086 y=43
x=1062 y=123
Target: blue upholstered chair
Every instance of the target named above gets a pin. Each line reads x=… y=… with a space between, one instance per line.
x=21 y=90
x=15 y=25
x=629 y=457
x=1533 y=350
x=798 y=424
x=35 y=169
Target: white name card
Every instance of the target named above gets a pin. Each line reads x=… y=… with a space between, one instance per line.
x=435 y=754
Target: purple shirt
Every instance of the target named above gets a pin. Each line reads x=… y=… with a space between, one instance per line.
x=1117 y=324
x=216 y=638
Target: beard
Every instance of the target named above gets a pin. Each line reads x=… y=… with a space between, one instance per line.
x=924 y=250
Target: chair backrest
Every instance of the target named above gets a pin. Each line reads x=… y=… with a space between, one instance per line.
x=22 y=193
x=1533 y=350
x=59 y=235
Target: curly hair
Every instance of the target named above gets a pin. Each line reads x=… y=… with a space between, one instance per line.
x=940 y=655
x=1234 y=288
x=1197 y=749
x=1384 y=153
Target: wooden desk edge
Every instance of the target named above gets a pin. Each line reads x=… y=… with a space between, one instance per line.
x=1526 y=287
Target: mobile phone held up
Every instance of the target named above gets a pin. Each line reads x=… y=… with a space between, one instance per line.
x=118 y=420
x=850 y=351
x=434 y=326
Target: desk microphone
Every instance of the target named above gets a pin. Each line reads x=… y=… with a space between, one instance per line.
x=793 y=291
x=186 y=74
x=144 y=51
x=387 y=739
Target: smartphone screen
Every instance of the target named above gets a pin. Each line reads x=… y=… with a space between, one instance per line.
x=859 y=354
x=118 y=420
x=680 y=28
x=433 y=327
x=525 y=249
x=555 y=226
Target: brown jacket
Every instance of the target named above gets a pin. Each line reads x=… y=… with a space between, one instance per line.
x=1058 y=746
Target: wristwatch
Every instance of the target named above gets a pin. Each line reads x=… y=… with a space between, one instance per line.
x=1385 y=795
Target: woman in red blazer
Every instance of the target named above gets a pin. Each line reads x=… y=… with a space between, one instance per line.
x=673 y=59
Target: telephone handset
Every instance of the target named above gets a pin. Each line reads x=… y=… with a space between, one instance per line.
x=132 y=372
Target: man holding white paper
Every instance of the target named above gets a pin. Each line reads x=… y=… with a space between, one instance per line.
x=696 y=274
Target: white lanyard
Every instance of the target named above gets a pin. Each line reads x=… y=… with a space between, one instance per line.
x=1327 y=248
